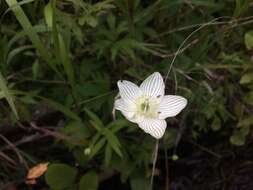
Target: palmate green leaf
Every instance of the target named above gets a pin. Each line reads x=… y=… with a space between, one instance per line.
x=104 y=5
x=117 y=125
x=61 y=108
x=97 y=147
x=108 y=155
x=96 y=126
x=111 y=20
x=95 y=118
x=113 y=141
x=9 y=97
x=94 y=139
x=88 y=19
x=60 y=176
x=89 y=181
x=114 y=52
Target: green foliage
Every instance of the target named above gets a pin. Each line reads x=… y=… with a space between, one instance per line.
x=248 y=40
x=5 y=93
x=60 y=176
x=89 y=181
x=139 y=183
x=67 y=56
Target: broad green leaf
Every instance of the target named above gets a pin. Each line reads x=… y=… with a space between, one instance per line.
x=138 y=183
x=248 y=98
x=246 y=78
x=89 y=181
x=245 y=130
x=248 y=40
x=60 y=176
x=248 y=121
x=92 y=21
x=2 y=94
x=216 y=124
x=237 y=139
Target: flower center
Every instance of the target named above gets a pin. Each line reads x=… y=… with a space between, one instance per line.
x=147 y=107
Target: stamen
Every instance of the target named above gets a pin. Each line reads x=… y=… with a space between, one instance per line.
x=145 y=106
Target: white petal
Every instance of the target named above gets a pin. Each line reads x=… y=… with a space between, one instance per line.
x=153 y=86
x=171 y=105
x=128 y=109
x=122 y=105
x=129 y=91
x=154 y=127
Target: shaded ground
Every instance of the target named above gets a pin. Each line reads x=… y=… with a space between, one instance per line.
x=210 y=164
x=218 y=166
x=215 y=166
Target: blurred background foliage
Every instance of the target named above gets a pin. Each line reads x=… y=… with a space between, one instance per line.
x=59 y=64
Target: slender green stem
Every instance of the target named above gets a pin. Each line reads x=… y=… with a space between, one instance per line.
x=154 y=164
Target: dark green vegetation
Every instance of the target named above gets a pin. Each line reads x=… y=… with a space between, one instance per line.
x=59 y=64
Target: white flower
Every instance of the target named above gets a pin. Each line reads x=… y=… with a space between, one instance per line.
x=147 y=105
